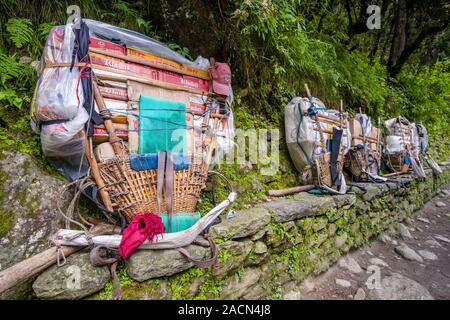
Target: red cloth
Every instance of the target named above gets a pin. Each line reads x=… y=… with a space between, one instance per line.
x=221 y=74
x=143 y=226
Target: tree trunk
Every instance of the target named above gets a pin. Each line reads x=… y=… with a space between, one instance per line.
x=399 y=38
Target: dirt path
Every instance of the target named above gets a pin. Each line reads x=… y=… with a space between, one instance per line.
x=380 y=269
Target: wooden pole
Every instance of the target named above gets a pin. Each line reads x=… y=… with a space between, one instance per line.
x=316 y=118
x=115 y=141
x=288 y=191
x=97 y=177
x=393 y=174
x=26 y=269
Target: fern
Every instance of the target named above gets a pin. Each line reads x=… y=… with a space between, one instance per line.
x=9 y=68
x=21 y=32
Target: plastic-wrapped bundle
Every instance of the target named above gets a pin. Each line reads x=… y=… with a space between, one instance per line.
x=399 y=137
x=364 y=157
x=402 y=148
x=303 y=135
x=303 y=131
x=125 y=65
x=58 y=95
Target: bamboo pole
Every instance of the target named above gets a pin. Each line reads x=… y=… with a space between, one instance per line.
x=115 y=141
x=97 y=177
x=26 y=269
x=316 y=118
x=288 y=191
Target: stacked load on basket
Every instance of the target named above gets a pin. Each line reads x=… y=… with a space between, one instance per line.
x=318 y=139
x=143 y=121
x=401 y=149
x=363 y=160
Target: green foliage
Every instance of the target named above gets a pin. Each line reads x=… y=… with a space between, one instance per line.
x=23 y=35
x=426 y=95
x=20 y=30
x=279 y=54
x=180 y=284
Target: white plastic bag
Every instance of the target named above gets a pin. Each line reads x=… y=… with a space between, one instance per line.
x=64 y=139
x=59 y=96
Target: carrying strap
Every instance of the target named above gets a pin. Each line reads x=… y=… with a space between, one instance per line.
x=204 y=263
x=101 y=256
x=160 y=179
x=165 y=180
x=169 y=187
x=335 y=148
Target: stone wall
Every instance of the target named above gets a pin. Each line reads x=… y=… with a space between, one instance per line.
x=264 y=252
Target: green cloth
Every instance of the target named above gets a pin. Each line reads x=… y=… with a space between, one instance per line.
x=162 y=126
x=180 y=221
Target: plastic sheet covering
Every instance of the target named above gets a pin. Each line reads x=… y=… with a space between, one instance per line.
x=423 y=137
x=57 y=97
x=64 y=139
x=133 y=39
x=302 y=134
x=365 y=123
x=225 y=139
x=415 y=141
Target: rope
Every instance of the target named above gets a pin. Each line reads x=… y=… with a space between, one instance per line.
x=69 y=217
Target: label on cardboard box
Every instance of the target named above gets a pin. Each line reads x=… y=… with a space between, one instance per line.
x=114 y=93
x=100 y=131
x=101 y=44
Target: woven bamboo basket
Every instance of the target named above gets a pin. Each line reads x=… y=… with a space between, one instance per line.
x=132 y=192
x=396 y=162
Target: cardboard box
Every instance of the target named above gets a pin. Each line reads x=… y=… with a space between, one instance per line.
x=178 y=79
x=164 y=62
x=97 y=43
x=169 y=77
x=114 y=93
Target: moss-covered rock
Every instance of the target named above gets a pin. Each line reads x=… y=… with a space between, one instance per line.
x=28 y=207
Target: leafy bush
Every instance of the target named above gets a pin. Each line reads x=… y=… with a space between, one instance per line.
x=278 y=54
